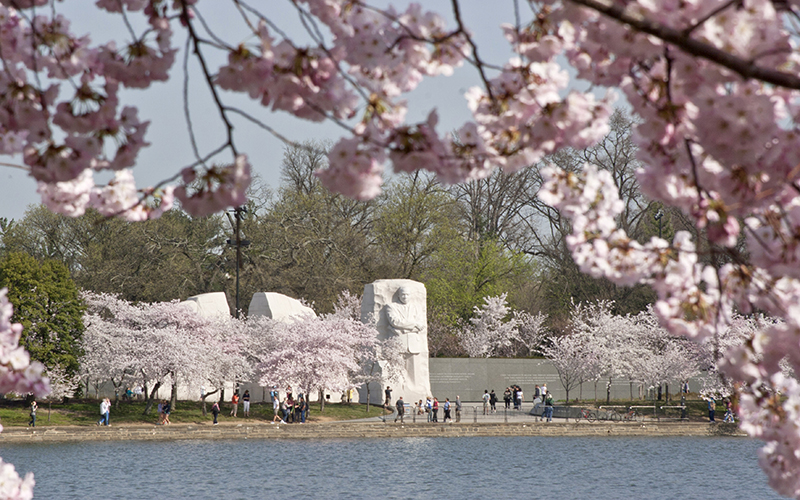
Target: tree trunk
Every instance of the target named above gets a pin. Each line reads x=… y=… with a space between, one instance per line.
x=666 y=392
x=608 y=392
x=203 y=399
x=321 y=400
x=367 y=398
x=174 y=395
x=151 y=398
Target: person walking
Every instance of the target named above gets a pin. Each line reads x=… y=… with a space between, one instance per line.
x=447 y=411
x=458 y=409
x=429 y=408
x=520 y=398
x=105 y=409
x=161 y=412
x=493 y=401
x=215 y=411
x=34 y=407
x=486 y=398
x=401 y=409
x=167 y=411
x=435 y=410
x=235 y=404
x=279 y=416
x=246 y=403
x=387 y=401
x=728 y=412
x=507 y=397
x=712 y=408
x=548 y=407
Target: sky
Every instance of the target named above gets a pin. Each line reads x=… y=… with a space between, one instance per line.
x=162 y=103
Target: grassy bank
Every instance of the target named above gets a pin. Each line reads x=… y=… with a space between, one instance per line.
x=14 y=413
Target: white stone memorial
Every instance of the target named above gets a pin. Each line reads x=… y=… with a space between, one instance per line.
x=208 y=305
x=400 y=308
x=277 y=306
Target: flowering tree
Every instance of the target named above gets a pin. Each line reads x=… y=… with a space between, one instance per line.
x=494 y=330
x=158 y=343
x=17 y=374
x=313 y=353
x=570 y=355
x=714 y=82
x=488 y=333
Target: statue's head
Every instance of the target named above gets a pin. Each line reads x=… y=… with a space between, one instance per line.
x=403 y=295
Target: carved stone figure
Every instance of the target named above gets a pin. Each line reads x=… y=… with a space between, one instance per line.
x=400 y=309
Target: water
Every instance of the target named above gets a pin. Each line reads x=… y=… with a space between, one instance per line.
x=429 y=468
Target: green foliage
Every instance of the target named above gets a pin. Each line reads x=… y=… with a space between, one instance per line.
x=175 y=256
x=464 y=272
x=415 y=218
x=47 y=305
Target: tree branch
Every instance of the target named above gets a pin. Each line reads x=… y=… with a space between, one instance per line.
x=678 y=38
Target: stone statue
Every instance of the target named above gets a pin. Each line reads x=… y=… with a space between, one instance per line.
x=208 y=305
x=399 y=306
x=407 y=321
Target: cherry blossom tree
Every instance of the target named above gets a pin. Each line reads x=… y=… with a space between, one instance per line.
x=570 y=355
x=159 y=343
x=313 y=353
x=495 y=330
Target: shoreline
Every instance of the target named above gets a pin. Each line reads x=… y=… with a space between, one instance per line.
x=360 y=430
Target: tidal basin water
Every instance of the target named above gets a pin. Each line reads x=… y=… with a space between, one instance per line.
x=429 y=468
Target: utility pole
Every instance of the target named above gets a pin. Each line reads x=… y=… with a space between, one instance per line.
x=238 y=242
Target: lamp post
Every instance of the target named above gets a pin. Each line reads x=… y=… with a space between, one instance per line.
x=238 y=242
x=658 y=216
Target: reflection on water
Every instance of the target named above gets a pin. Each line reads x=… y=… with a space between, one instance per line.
x=430 y=468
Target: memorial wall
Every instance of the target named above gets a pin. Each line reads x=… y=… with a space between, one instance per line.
x=469 y=377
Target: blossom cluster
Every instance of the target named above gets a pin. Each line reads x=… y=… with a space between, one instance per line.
x=21 y=375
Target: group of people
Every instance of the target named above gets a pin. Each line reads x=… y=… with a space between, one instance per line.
x=245 y=399
x=164 y=409
x=288 y=409
x=729 y=410
x=431 y=407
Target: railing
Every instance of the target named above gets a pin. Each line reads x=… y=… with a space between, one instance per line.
x=682 y=408
x=528 y=412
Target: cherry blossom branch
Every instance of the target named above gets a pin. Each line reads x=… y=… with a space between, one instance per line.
x=478 y=63
x=691 y=46
x=207 y=73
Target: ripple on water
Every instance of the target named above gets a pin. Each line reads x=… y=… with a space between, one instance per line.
x=441 y=468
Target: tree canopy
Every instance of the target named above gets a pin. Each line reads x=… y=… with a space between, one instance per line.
x=47 y=306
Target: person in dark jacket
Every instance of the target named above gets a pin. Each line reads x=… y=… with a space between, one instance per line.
x=401 y=409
